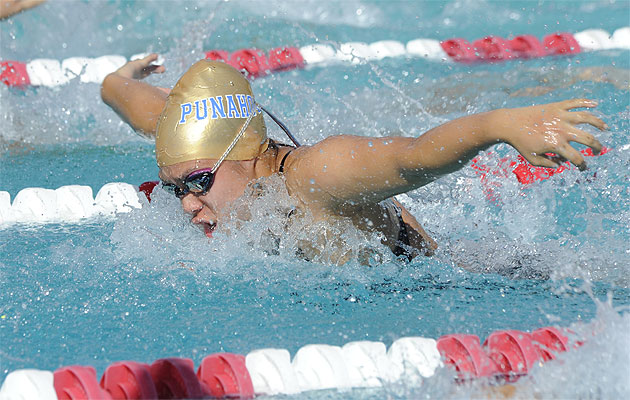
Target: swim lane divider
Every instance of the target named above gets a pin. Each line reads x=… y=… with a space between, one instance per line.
x=256 y=63
x=505 y=356
x=75 y=203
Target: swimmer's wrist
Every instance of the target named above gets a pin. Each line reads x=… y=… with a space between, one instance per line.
x=496 y=126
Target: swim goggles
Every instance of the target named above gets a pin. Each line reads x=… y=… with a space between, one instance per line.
x=199 y=182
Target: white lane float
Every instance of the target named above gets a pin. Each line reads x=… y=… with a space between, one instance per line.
x=67 y=204
x=256 y=63
x=28 y=384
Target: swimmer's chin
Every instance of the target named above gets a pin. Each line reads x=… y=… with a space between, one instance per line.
x=208 y=229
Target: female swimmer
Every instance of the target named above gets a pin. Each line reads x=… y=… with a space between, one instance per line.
x=211 y=144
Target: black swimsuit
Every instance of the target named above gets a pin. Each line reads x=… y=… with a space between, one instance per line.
x=402 y=243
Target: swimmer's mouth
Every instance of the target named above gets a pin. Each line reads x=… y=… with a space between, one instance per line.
x=208 y=229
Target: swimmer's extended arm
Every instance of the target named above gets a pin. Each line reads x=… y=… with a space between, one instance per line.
x=344 y=172
x=137 y=103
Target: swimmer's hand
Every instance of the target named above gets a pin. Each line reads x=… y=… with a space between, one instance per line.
x=138 y=103
x=140 y=69
x=542 y=133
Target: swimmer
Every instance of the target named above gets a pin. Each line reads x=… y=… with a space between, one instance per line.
x=211 y=145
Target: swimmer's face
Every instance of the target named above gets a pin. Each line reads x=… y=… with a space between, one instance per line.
x=230 y=182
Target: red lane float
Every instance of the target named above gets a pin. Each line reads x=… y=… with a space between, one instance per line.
x=561 y=43
x=129 y=380
x=512 y=351
x=13 y=73
x=550 y=341
x=527 y=46
x=175 y=378
x=256 y=63
x=78 y=382
x=464 y=353
x=508 y=353
x=225 y=375
x=147 y=188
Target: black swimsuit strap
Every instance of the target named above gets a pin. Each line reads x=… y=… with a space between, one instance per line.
x=281 y=169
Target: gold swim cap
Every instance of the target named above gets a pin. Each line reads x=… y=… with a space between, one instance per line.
x=205 y=112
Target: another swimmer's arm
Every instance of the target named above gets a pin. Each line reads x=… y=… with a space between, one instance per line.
x=137 y=103
x=11 y=7
x=347 y=171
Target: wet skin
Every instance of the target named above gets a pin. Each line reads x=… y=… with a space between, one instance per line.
x=350 y=176
x=233 y=177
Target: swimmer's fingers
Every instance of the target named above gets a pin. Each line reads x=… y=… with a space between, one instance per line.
x=555 y=158
x=573 y=156
x=577 y=103
x=147 y=67
x=543 y=160
x=141 y=68
x=153 y=69
x=585 y=138
x=585 y=117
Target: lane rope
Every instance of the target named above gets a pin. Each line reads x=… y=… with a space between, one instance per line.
x=256 y=63
x=505 y=356
x=76 y=203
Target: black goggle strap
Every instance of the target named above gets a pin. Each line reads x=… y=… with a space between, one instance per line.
x=281 y=125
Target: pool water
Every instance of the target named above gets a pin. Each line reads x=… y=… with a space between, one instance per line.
x=147 y=284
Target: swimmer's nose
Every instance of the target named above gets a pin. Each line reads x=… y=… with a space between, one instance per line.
x=191 y=204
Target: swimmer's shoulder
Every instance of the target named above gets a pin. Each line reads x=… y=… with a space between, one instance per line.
x=321 y=153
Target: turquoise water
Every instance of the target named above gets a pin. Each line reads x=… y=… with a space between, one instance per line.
x=147 y=285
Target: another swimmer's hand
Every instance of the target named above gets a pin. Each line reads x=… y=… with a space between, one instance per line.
x=140 y=69
x=542 y=133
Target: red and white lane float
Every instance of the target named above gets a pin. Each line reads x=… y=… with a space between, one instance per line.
x=504 y=357
x=256 y=63
x=75 y=203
